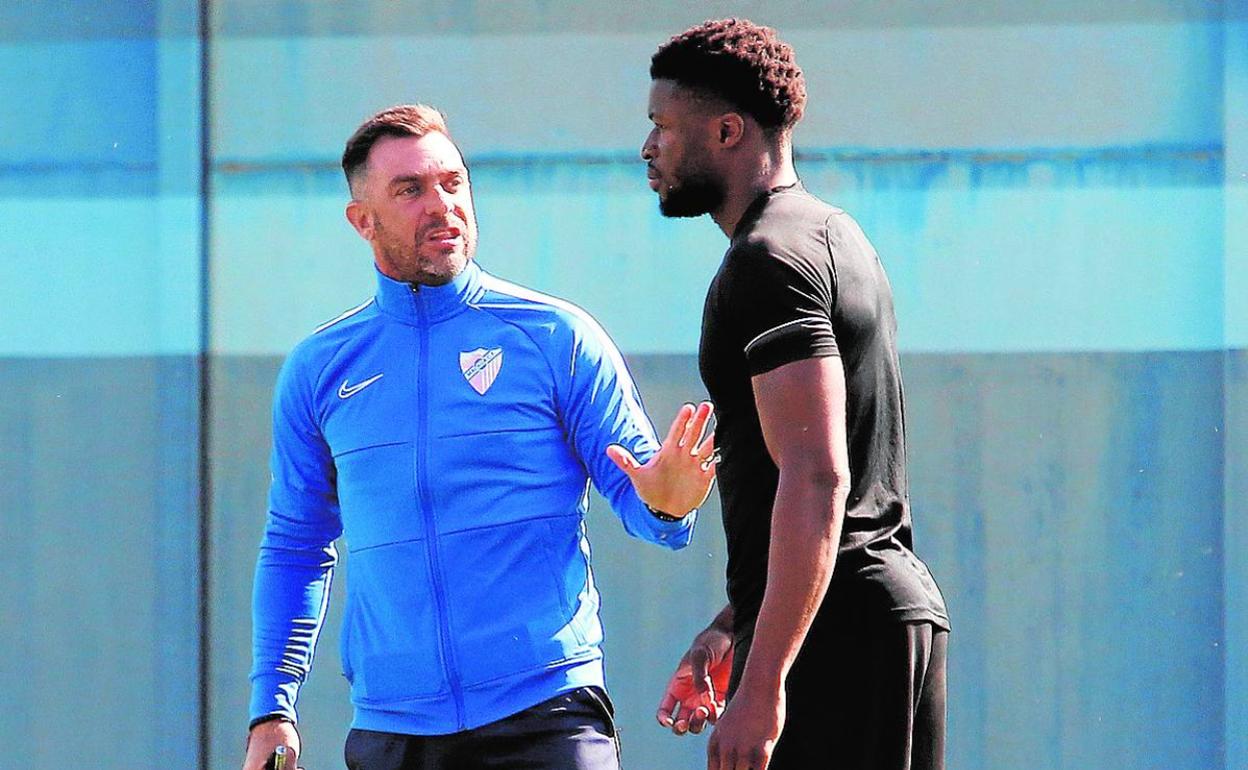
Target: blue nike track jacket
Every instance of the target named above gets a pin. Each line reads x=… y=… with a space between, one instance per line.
x=449 y=433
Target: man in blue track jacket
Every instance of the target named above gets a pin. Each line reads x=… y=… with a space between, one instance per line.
x=449 y=427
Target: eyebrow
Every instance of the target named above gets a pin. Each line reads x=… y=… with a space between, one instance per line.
x=407 y=178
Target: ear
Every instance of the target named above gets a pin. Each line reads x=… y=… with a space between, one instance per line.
x=361 y=219
x=729 y=130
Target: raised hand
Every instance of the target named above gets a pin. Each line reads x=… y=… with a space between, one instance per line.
x=678 y=478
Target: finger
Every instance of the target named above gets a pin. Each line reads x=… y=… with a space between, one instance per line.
x=761 y=758
x=717 y=708
x=706 y=450
x=709 y=454
x=697 y=720
x=667 y=709
x=623 y=459
x=697 y=426
x=678 y=425
x=699 y=665
x=694 y=422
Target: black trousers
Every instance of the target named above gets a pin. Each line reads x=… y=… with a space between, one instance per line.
x=572 y=731
x=866 y=697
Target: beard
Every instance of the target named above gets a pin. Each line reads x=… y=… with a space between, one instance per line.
x=414 y=262
x=697 y=194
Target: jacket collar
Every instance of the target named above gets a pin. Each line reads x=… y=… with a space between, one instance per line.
x=427 y=304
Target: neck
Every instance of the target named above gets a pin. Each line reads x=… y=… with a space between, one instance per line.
x=765 y=170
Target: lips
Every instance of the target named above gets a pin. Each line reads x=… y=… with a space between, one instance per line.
x=443 y=234
x=653 y=177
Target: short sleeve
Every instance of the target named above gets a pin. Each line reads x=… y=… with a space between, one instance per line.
x=783 y=306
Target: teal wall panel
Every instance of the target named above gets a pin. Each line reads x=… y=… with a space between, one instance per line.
x=99 y=655
x=99 y=432
x=1069 y=507
x=1236 y=406
x=99 y=182
x=1236 y=548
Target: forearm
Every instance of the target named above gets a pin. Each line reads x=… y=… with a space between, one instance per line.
x=805 y=532
x=289 y=600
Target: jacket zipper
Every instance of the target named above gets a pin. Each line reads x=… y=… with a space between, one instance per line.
x=426 y=504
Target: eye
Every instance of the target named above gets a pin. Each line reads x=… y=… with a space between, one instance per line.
x=452 y=184
x=411 y=189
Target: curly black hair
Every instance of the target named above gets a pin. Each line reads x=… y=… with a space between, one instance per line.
x=741 y=62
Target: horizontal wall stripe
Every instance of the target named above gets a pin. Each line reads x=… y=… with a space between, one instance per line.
x=80 y=21
x=99 y=277
x=934 y=88
x=447 y=17
x=91 y=102
x=862 y=168
x=1030 y=167
x=974 y=269
x=1030 y=265
x=95 y=19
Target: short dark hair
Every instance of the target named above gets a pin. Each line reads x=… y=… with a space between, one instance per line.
x=399 y=120
x=741 y=62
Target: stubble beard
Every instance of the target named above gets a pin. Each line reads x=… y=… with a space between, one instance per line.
x=405 y=258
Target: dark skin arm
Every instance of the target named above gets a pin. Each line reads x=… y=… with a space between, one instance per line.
x=801 y=407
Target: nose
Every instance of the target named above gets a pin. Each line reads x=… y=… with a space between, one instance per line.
x=647 y=147
x=439 y=201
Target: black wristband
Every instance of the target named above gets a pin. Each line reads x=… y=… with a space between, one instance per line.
x=662 y=515
x=268 y=718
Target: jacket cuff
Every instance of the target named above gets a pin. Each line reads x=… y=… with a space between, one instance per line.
x=273 y=696
x=671 y=534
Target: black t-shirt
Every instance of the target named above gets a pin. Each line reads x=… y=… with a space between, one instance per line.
x=800 y=280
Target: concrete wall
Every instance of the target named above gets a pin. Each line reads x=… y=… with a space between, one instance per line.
x=1057 y=192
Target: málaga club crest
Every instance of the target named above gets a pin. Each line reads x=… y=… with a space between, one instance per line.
x=480 y=367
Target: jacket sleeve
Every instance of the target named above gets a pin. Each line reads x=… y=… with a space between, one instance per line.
x=297 y=555
x=603 y=407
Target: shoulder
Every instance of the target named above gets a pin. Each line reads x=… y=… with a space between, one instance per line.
x=314 y=351
x=792 y=226
x=535 y=311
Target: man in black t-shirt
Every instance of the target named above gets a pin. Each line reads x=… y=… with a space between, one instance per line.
x=832 y=648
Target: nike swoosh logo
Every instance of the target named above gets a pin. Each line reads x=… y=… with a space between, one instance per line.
x=347 y=391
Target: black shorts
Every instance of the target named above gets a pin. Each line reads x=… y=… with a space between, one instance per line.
x=572 y=731
x=866 y=697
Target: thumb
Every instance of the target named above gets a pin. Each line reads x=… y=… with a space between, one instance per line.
x=699 y=662
x=623 y=459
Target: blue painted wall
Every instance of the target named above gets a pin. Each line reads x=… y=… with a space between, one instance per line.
x=99 y=428
x=1058 y=192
